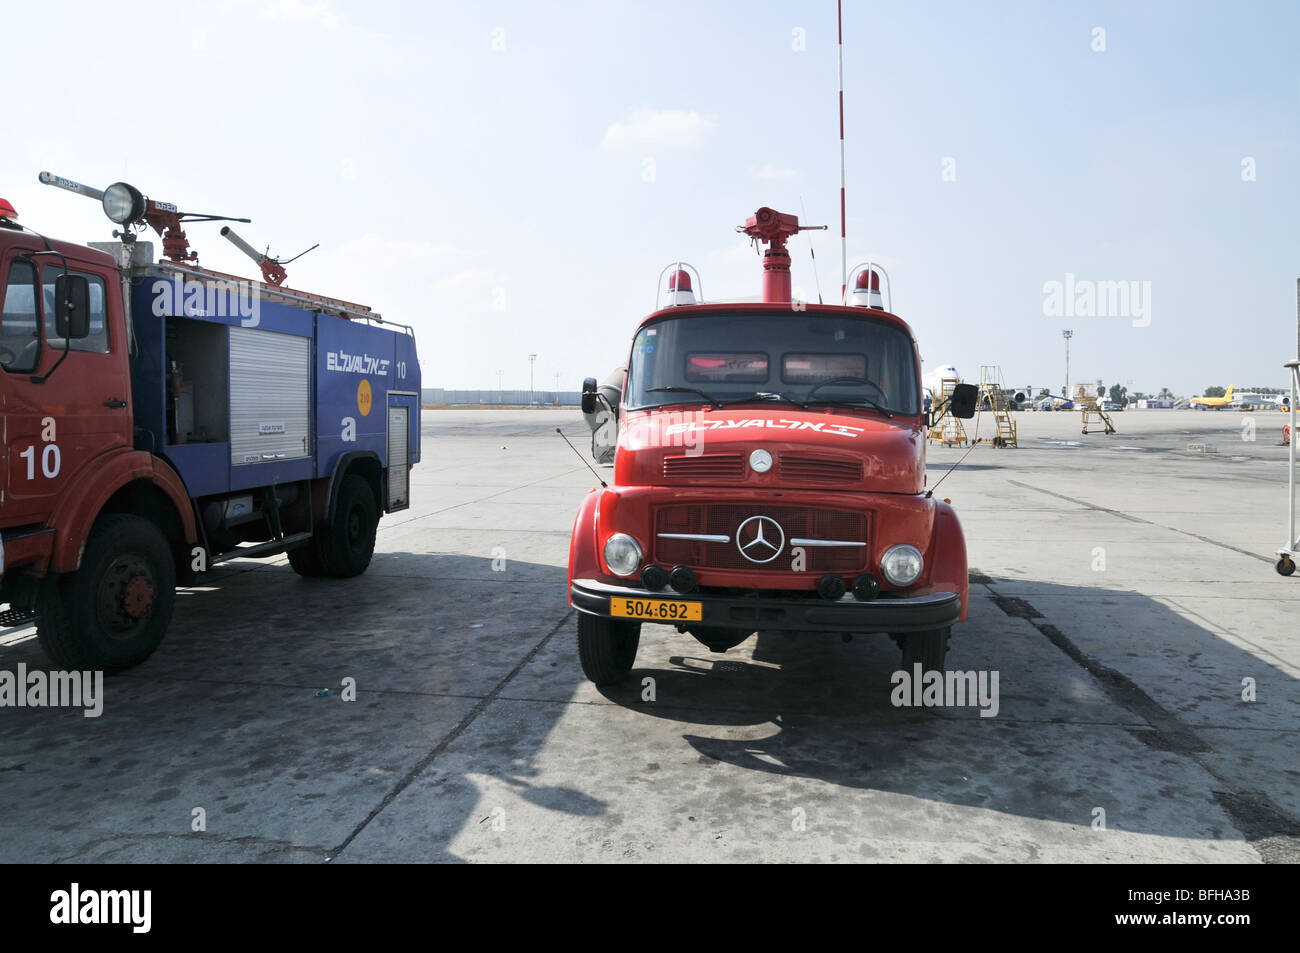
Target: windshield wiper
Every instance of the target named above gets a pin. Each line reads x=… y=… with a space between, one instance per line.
x=762 y=396
x=674 y=389
x=849 y=402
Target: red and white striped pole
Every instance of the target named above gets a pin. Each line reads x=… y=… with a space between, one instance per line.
x=844 y=240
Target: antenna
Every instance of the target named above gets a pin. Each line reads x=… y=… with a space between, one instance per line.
x=844 y=239
x=581 y=457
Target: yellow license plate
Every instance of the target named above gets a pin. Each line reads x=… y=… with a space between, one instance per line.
x=658 y=610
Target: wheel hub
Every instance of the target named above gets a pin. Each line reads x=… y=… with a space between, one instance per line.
x=126 y=595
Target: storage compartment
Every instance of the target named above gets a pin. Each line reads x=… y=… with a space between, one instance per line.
x=198 y=382
x=270 y=396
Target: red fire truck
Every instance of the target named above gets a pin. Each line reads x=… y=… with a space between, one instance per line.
x=160 y=418
x=769 y=475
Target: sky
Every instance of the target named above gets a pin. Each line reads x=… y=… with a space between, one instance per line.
x=511 y=178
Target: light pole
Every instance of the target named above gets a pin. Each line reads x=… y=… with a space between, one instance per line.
x=1067 y=335
x=557 y=388
x=532 y=360
x=501 y=397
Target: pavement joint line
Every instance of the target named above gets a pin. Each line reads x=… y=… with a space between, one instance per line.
x=1138 y=519
x=482 y=499
x=181 y=680
x=1269 y=830
x=470 y=717
x=852 y=716
x=194 y=835
x=1224 y=630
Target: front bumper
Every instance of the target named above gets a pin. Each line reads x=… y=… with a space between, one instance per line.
x=934 y=610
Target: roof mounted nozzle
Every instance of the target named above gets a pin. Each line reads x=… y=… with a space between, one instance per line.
x=773 y=228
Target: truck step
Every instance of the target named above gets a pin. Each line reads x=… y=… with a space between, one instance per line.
x=262 y=549
x=14 y=618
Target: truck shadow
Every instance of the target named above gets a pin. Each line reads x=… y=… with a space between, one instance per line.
x=244 y=712
x=1103 y=716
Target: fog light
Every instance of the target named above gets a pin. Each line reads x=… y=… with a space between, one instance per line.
x=866 y=587
x=831 y=587
x=654 y=578
x=622 y=554
x=902 y=565
x=682 y=579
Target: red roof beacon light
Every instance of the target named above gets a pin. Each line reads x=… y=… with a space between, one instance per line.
x=7 y=212
x=681 y=287
x=866 y=287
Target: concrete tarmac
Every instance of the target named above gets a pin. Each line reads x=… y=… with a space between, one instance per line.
x=1122 y=587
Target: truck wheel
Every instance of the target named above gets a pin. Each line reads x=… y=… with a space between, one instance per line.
x=928 y=648
x=112 y=612
x=607 y=648
x=306 y=560
x=347 y=544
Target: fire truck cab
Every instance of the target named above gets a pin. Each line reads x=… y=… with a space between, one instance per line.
x=769 y=475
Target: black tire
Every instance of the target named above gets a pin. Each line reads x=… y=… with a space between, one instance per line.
x=928 y=648
x=1285 y=566
x=306 y=560
x=607 y=648
x=347 y=543
x=113 y=612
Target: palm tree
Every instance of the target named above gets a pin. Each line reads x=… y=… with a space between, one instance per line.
x=1166 y=394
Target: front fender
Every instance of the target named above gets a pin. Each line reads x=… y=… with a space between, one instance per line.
x=98 y=480
x=584 y=561
x=948 y=570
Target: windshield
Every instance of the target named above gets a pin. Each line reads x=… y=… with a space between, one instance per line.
x=781 y=357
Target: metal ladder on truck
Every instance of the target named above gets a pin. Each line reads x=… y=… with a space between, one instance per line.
x=994 y=390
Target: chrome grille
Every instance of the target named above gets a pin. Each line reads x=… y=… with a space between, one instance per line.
x=723 y=519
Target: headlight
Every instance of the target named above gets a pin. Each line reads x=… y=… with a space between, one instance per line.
x=622 y=554
x=902 y=565
x=760 y=461
x=123 y=203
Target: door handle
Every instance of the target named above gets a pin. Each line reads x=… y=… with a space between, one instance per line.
x=114 y=403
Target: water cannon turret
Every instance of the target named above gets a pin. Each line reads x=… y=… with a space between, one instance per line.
x=773 y=228
x=272 y=271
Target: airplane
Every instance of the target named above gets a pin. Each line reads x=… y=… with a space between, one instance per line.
x=1204 y=403
x=932 y=384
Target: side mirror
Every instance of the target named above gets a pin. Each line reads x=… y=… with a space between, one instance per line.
x=71 y=306
x=963 y=400
x=589 y=395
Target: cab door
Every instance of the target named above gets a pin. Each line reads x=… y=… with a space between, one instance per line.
x=60 y=410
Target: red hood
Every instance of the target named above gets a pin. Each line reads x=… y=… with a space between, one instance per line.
x=816 y=449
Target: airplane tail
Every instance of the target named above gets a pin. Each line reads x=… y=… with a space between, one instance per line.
x=1228 y=395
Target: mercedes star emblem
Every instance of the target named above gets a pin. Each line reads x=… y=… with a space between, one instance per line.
x=760 y=539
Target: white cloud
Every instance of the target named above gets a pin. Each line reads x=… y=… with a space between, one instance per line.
x=299 y=11
x=651 y=128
